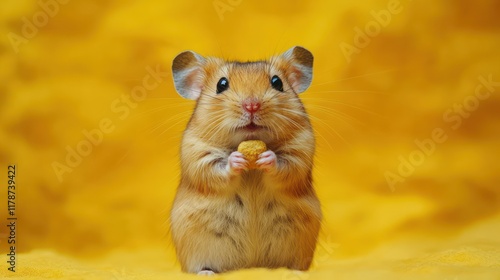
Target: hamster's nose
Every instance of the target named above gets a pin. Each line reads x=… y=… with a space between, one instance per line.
x=251 y=105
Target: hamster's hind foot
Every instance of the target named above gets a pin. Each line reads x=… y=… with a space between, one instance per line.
x=206 y=272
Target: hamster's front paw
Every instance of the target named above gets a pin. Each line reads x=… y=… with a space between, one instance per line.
x=236 y=163
x=267 y=161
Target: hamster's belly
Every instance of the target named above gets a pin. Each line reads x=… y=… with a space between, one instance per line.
x=275 y=224
x=251 y=225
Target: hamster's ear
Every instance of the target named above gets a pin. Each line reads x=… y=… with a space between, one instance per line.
x=299 y=74
x=187 y=69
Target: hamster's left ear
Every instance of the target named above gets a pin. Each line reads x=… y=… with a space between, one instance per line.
x=187 y=69
x=299 y=74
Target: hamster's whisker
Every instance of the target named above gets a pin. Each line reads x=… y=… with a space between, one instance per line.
x=211 y=105
x=215 y=113
x=157 y=109
x=212 y=130
x=297 y=125
x=210 y=96
x=175 y=116
x=275 y=129
x=178 y=118
x=214 y=117
x=335 y=101
x=289 y=120
x=324 y=139
x=354 y=77
x=345 y=121
x=267 y=98
x=349 y=91
x=271 y=60
x=330 y=130
x=279 y=131
x=334 y=113
x=218 y=127
x=295 y=112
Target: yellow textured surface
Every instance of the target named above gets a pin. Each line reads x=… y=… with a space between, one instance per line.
x=251 y=149
x=86 y=88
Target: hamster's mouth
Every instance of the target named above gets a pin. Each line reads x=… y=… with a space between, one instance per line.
x=252 y=127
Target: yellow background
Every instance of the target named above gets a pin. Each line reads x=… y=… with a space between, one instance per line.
x=108 y=218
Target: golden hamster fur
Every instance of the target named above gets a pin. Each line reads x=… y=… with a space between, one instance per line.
x=226 y=216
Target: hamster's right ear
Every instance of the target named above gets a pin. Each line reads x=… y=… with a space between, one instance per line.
x=187 y=69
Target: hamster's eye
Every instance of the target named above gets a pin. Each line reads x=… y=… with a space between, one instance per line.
x=222 y=85
x=276 y=83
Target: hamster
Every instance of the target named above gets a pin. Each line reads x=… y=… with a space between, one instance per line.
x=226 y=216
